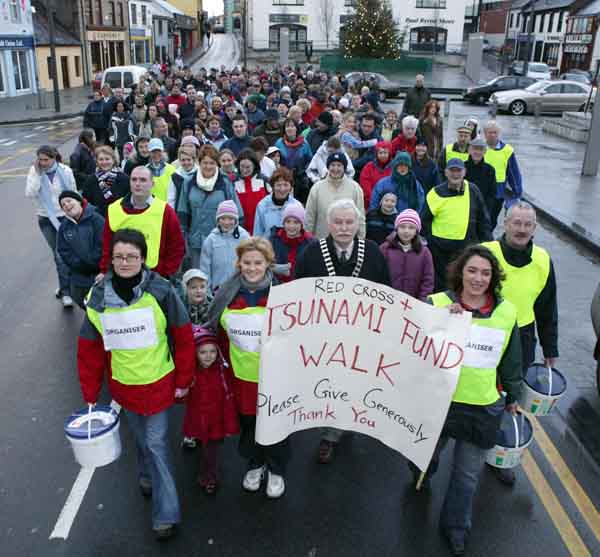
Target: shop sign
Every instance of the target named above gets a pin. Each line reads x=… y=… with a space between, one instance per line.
x=8 y=42
x=429 y=20
x=288 y=18
x=94 y=36
x=185 y=22
x=576 y=49
x=579 y=39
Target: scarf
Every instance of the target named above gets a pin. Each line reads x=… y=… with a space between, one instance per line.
x=125 y=288
x=157 y=169
x=227 y=293
x=279 y=202
x=293 y=144
x=45 y=196
x=106 y=180
x=407 y=188
x=187 y=175
x=206 y=184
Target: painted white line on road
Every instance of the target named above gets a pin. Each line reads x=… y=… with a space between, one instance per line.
x=61 y=123
x=30 y=135
x=38 y=127
x=69 y=511
x=49 y=128
x=7 y=144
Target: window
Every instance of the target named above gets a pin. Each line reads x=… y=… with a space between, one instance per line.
x=98 y=12
x=349 y=3
x=573 y=89
x=20 y=70
x=518 y=20
x=553 y=89
x=112 y=15
x=431 y=3
x=160 y=26
x=128 y=78
x=133 y=15
x=89 y=12
x=121 y=15
x=15 y=11
x=551 y=22
x=541 y=25
x=77 y=66
x=113 y=79
x=561 y=16
x=512 y=20
x=143 y=15
x=2 y=89
x=507 y=82
x=288 y=2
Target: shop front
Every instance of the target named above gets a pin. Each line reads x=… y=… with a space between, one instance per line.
x=186 y=26
x=297 y=26
x=107 y=49
x=428 y=39
x=17 y=66
x=141 y=45
x=578 y=45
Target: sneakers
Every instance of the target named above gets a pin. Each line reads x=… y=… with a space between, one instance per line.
x=275 y=485
x=164 y=531
x=67 y=301
x=253 y=479
x=57 y=293
x=189 y=443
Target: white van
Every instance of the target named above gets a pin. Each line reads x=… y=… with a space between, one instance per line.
x=122 y=77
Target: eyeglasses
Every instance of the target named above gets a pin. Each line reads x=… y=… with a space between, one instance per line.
x=131 y=258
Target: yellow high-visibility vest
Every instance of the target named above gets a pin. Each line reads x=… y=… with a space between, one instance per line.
x=450 y=214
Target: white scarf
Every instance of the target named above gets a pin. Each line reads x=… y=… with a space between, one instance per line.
x=206 y=184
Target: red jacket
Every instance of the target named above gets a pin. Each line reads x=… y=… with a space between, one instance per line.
x=313 y=113
x=400 y=143
x=178 y=100
x=250 y=190
x=93 y=361
x=172 y=246
x=373 y=171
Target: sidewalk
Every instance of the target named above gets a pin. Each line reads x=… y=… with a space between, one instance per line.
x=25 y=108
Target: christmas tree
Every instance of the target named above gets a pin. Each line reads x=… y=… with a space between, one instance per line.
x=371 y=32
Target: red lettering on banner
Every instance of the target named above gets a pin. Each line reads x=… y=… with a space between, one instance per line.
x=309 y=359
x=459 y=356
x=332 y=358
x=343 y=312
x=323 y=309
x=381 y=368
x=355 y=359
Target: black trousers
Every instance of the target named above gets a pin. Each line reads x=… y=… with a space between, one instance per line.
x=275 y=457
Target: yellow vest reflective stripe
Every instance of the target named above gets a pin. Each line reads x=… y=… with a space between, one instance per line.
x=143 y=326
x=160 y=184
x=243 y=328
x=452 y=154
x=523 y=285
x=478 y=385
x=450 y=214
x=149 y=223
x=498 y=158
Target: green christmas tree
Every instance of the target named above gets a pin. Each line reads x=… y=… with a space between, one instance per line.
x=371 y=32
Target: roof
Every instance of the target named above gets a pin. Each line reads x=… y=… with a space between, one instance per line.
x=591 y=9
x=541 y=5
x=168 y=8
x=62 y=37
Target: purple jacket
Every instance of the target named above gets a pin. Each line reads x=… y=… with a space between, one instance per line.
x=410 y=272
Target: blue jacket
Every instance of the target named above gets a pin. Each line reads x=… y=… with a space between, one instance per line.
x=79 y=244
x=237 y=144
x=197 y=209
x=428 y=175
x=218 y=256
x=387 y=185
x=269 y=215
x=95 y=116
x=514 y=179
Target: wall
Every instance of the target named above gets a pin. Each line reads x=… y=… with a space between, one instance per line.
x=493 y=22
x=188 y=7
x=42 y=55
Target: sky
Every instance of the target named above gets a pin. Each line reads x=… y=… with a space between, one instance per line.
x=213 y=7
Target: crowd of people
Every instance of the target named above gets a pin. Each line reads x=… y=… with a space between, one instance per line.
x=187 y=199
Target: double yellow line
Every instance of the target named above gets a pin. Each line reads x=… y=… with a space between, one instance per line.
x=558 y=515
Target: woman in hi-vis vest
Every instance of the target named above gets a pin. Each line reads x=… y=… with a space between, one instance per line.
x=237 y=314
x=494 y=358
x=137 y=328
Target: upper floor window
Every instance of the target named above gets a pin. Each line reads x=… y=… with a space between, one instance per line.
x=431 y=3
x=288 y=2
x=15 y=11
x=133 y=15
x=144 y=19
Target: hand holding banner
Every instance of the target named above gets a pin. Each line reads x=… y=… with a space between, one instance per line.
x=352 y=354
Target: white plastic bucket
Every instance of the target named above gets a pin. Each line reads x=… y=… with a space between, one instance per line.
x=542 y=388
x=501 y=456
x=94 y=436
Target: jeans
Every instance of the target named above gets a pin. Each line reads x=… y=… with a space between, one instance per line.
x=63 y=272
x=154 y=464
x=275 y=457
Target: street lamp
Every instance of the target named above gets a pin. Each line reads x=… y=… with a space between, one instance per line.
x=51 y=13
x=35 y=63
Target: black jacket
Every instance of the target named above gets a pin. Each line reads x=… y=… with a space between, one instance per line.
x=416 y=99
x=311 y=263
x=316 y=137
x=483 y=176
x=83 y=164
x=100 y=199
x=478 y=229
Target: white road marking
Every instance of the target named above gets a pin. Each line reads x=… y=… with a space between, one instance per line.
x=61 y=123
x=38 y=127
x=30 y=135
x=48 y=128
x=4 y=140
x=7 y=144
x=69 y=511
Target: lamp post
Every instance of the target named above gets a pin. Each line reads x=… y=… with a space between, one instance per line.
x=35 y=64
x=51 y=13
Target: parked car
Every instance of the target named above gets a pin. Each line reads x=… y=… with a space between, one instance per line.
x=480 y=94
x=386 y=87
x=123 y=77
x=552 y=96
x=579 y=77
x=536 y=70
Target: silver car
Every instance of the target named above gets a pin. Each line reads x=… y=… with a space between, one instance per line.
x=552 y=96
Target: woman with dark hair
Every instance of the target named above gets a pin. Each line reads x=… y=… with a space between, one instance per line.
x=431 y=126
x=83 y=159
x=424 y=167
x=250 y=187
x=108 y=183
x=148 y=369
x=145 y=129
x=46 y=180
x=493 y=358
x=295 y=155
x=243 y=299
x=122 y=127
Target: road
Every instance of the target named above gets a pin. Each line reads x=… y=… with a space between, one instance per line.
x=224 y=51
x=361 y=505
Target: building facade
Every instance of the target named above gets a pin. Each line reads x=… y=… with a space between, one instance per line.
x=189 y=24
x=17 y=55
x=163 y=29
x=427 y=25
x=140 y=31
x=492 y=20
x=581 y=47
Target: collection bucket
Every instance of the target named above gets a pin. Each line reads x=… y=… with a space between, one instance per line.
x=94 y=436
x=542 y=388
x=513 y=437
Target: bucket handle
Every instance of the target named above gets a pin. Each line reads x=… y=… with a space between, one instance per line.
x=549 y=381
x=89 y=422
x=517 y=436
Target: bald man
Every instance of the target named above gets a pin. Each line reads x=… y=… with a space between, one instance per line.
x=153 y=217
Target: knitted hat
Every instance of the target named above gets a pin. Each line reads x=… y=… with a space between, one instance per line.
x=203 y=336
x=408 y=216
x=155 y=145
x=190 y=139
x=72 y=194
x=337 y=157
x=227 y=208
x=187 y=125
x=192 y=274
x=326 y=118
x=402 y=157
x=294 y=210
x=271 y=114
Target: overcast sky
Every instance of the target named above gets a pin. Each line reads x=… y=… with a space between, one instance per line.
x=213 y=7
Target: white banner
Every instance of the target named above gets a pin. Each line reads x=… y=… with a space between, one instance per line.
x=352 y=354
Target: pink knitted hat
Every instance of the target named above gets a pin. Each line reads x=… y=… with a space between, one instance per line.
x=408 y=216
x=227 y=208
x=294 y=210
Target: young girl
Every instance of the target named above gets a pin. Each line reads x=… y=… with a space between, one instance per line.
x=196 y=298
x=227 y=164
x=289 y=241
x=210 y=413
x=381 y=220
x=409 y=261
